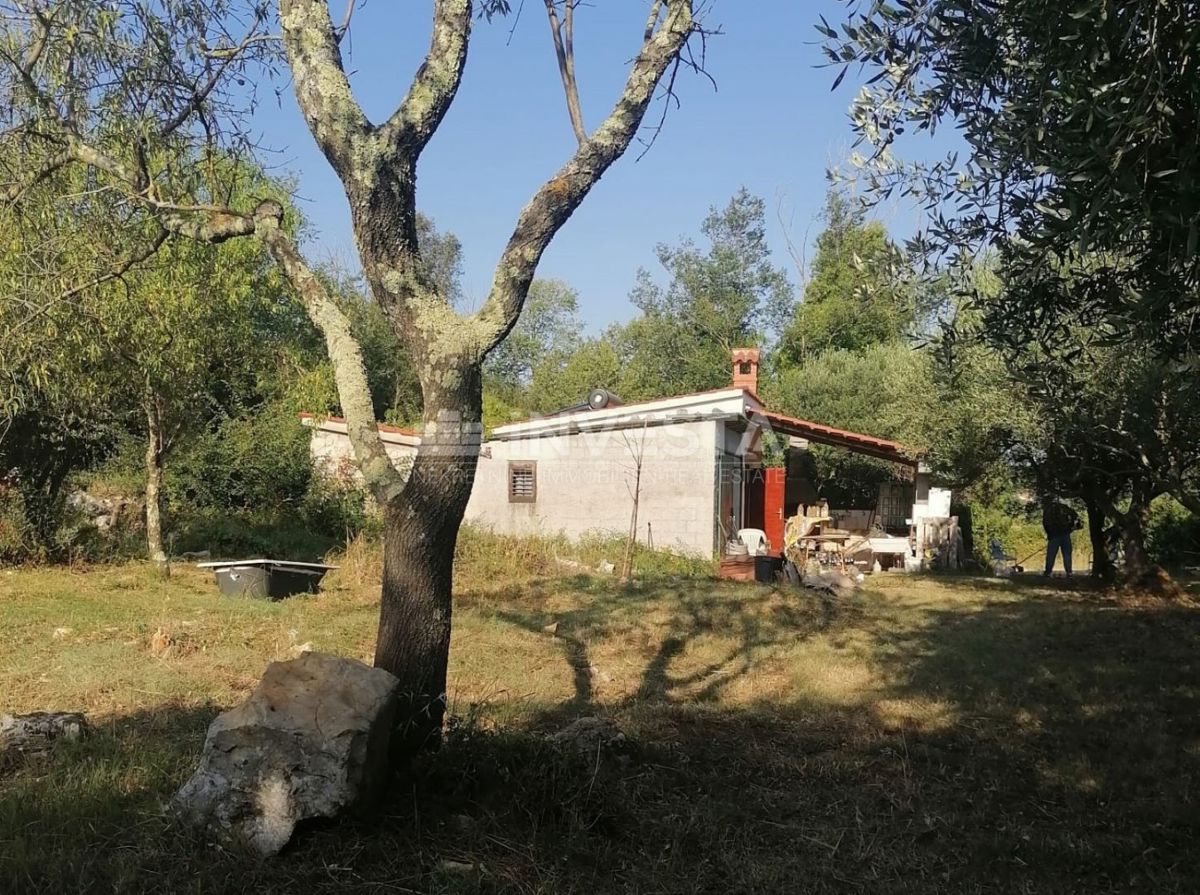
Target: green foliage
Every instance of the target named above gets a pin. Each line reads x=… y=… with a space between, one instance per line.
x=1018 y=532
x=546 y=333
x=97 y=349
x=1079 y=124
x=247 y=487
x=17 y=538
x=1173 y=535
x=1110 y=421
x=566 y=381
x=488 y=556
x=497 y=409
x=41 y=445
x=442 y=255
x=391 y=376
x=723 y=297
x=245 y=462
x=859 y=292
x=886 y=390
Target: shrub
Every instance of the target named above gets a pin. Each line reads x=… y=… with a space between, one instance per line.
x=339 y=510
x=254 y=463
x=1173 y=534
x=16 y=535
x=484 y=555
x=279 y=535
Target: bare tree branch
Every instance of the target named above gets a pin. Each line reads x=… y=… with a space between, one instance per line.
x=652 y=20
x=558 y=198
x=37 y=47
x=227 y=56
x=344 y=28
x=564 y=50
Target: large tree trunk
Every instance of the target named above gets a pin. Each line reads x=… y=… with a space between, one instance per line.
x=420 y=532
x=1102 y=566
x=154 y=477
x=377 y=164
x=1139 y=570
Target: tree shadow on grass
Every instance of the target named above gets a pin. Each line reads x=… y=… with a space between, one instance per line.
x=1071 y=734
x=1064 y=756
x=65 y=815
x=667 y=619
x=1044 y=740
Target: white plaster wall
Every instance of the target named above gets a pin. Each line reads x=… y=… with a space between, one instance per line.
x=333 y=457
x=583 y=482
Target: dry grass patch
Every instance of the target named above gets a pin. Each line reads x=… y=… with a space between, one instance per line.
x=932 y=735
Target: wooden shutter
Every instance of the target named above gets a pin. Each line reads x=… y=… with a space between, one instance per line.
x=522 y=482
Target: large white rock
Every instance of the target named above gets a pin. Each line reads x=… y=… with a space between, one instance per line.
x=311 y=741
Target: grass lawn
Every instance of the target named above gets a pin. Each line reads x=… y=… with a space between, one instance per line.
x=932 y=735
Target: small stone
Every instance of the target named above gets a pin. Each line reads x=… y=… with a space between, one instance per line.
x=449 y=866
x=599 y=674
x=589 y=735
x=60 y=633
x=551 y=628
x=37 y=732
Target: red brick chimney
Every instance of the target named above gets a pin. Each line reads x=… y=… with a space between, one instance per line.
x=745 y=369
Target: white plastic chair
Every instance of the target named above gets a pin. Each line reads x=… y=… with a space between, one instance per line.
x=755 y=540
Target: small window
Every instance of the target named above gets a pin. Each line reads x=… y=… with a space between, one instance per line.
x=522 y=482
x=744 y=368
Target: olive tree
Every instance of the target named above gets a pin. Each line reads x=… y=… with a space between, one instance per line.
x=171 y=70
x=1078 y=123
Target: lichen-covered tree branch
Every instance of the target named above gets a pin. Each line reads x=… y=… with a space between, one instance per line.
x=147 y=155
x=558 y=198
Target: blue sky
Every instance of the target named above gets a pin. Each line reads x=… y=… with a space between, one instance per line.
x=772 y=124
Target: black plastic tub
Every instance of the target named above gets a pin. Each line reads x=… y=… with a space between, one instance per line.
x=268 y=579
x=767 y=568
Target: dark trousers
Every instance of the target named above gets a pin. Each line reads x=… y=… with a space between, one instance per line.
x=1054 y=544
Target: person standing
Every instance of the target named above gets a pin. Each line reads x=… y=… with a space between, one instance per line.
x=1059 y=522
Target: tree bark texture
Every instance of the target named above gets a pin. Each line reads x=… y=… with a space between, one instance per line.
x=1138 y=567
x=154 y=478
x=1139 y=570
x=1102 y=566
x=377 y=165
x=420 y=533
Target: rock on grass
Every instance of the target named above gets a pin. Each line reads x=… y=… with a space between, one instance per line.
x=310 y=741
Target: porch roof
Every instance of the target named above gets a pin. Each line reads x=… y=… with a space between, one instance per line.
x=868 y=445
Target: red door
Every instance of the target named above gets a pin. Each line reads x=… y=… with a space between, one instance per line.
x=773 y=496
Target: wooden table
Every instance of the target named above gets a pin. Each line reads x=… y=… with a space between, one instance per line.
x=811 y=543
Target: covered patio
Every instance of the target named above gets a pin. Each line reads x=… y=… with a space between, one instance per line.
x=890 y=534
